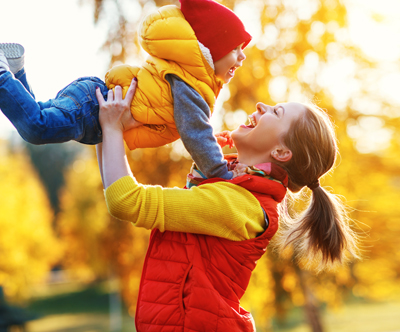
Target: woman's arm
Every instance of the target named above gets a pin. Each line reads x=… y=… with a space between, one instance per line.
x=220 y=209
x=99 y=151
x=115 y=117
x=115 y=164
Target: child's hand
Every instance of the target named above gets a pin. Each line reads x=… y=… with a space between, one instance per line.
x=239 y=170
x=224 y=138
x=115 y=113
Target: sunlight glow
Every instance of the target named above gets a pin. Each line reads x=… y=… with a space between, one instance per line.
x=369 y=133
x=338 y=78
x=250 y=16
x=389 y=87
x=375 y=27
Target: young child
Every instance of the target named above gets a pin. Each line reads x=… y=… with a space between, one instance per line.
x=193 y=51
x=206 y=241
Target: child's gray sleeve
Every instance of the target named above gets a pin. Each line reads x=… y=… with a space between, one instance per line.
x=192 y=115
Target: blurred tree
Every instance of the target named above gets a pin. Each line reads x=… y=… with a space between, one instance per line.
x=28 y=246
x=95 y=245
x=50 y=161
x=83 y=218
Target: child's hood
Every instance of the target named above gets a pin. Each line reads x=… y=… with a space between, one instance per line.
x=167 y=35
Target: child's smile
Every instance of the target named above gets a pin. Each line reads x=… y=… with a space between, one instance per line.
x=226 y=66
x=232 y=71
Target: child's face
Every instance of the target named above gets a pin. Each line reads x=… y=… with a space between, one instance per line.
x=268 y=126
x=226 y=66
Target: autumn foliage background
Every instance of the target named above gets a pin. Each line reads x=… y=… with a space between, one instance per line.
x=52 y=203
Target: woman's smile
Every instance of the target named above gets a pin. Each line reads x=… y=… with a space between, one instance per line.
x=253 y=121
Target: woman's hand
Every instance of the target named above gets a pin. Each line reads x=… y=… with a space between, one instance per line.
x=115 y=113
x=115 y=117
x=224 y=138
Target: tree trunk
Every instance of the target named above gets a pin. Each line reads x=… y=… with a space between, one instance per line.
x=311 y=304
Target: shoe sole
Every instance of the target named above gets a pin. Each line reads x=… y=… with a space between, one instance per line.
x=12 y=50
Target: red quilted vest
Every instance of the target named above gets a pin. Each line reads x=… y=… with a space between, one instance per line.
x=193 y=282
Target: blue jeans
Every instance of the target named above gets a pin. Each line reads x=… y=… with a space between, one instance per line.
x=72 y=115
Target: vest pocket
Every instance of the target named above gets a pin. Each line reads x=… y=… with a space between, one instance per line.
x=185 y=276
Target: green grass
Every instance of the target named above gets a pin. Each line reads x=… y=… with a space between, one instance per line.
x=352 y=317
x=91 y=300
x=74 y=308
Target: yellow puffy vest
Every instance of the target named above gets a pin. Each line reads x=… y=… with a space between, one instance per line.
x=173 y=49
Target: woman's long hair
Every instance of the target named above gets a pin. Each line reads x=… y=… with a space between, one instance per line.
x=321 y=233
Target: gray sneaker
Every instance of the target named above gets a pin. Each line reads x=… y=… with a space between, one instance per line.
x=14 y=54
x=3 y=63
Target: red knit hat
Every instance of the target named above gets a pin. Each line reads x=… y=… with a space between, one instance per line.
x=216 y=27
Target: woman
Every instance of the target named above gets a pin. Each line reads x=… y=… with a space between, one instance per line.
x=206 y=240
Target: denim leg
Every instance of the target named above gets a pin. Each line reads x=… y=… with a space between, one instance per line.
x=72 y=115
x=21 y=76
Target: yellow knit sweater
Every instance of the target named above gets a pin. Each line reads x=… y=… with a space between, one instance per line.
x=220 y=209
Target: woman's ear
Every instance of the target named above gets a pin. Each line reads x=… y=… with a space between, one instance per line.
x=282 y=154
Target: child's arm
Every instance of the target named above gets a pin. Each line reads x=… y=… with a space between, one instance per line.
x=191 y=115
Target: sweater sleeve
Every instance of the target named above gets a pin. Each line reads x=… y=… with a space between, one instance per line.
x=220 y=209
x=192 y=115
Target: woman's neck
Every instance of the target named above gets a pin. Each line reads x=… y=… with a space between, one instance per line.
x=251 y=159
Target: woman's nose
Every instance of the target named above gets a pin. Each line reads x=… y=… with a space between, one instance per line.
x=262 y=108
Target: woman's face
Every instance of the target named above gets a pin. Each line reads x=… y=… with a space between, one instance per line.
x=267 y=129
